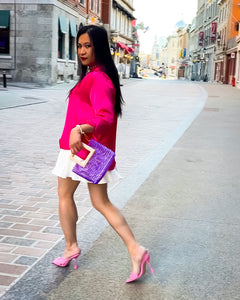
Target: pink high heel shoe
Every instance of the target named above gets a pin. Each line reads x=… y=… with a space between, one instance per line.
x=145 y=260
x=64 y=262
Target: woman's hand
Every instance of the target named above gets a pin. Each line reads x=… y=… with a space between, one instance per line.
x=75 y=141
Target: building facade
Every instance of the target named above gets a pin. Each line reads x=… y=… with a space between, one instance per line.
x=192 y=46
x=183 y=55
x=232 y=46
x=38 y=38
x=155 y=58
x=121 y=34
x=216 y=56
x=238 y=60
x=206 y=32
x=212 y=45
x=224 y=8
x=172 y=58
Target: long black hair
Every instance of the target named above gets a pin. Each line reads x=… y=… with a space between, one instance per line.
x=99 y=37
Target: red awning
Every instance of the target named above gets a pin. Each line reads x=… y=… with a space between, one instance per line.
x=130 y=49
x=122 y=45
x=127 y=49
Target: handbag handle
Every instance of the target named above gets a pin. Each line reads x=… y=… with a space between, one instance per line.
x=83 y=162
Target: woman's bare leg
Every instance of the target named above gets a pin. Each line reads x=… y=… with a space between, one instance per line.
x=101 y=202
x=68 y=214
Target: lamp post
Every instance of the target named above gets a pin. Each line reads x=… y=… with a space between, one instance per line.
x=4 y=79
x=219 y=42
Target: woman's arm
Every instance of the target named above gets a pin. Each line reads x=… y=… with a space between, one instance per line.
x=102 y=97
x=75 y=141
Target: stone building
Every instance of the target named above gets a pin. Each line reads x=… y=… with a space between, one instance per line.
x=206 y=30
x=172 y=59
x=38 y=38
x=183 y=40
x=210 y=37
x=120 y=29
x=192 y=46
x=222 y=38
x=197 y=50
x=156 y=58
x=217 y=56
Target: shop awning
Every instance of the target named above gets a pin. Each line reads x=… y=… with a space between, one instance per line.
x=4 y=18
x=130 y=49
x=122 y=45
x=125 y=47
x=73 y=30
x=63 y=24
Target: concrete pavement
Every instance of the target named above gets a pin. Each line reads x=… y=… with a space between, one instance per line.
x=170 y=108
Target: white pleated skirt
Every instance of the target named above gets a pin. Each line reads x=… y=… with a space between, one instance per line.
x=64 y=166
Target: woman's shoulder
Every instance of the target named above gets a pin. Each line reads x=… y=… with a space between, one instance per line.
x=100 y=77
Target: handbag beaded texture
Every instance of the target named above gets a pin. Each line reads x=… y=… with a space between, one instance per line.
x=96 y=164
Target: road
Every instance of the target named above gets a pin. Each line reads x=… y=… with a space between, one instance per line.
x=160 y=206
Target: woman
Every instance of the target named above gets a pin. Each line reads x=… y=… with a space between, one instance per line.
x=94 y=105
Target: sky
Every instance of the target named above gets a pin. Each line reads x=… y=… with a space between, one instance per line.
x=161 y=16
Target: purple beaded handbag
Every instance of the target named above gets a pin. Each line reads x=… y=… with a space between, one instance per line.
x=96 y=164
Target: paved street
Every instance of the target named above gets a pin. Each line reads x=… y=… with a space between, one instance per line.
x=184 y=209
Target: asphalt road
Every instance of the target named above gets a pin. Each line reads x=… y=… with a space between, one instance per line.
x=181 y=200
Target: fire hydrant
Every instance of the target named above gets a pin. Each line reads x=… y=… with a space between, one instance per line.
x=233 y=81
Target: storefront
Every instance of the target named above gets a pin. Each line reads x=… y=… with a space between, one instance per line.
x=122 y=58
x=219 y=70
x=238 y=62
x=231 y=68
x=231 y=59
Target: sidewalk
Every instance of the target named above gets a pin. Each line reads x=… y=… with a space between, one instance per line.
x=166 y=129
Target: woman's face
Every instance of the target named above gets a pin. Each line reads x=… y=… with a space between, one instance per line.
x=86 y=50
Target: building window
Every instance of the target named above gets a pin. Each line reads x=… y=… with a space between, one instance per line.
x=98 y=6
x=113 y=19
x=82 y=2
x=92 y=5
x=72 y=39
x=71 y=47
x=4 y=31
x=62 y=30
x=61 y=41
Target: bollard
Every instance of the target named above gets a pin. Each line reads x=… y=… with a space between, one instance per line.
x=4 y=79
